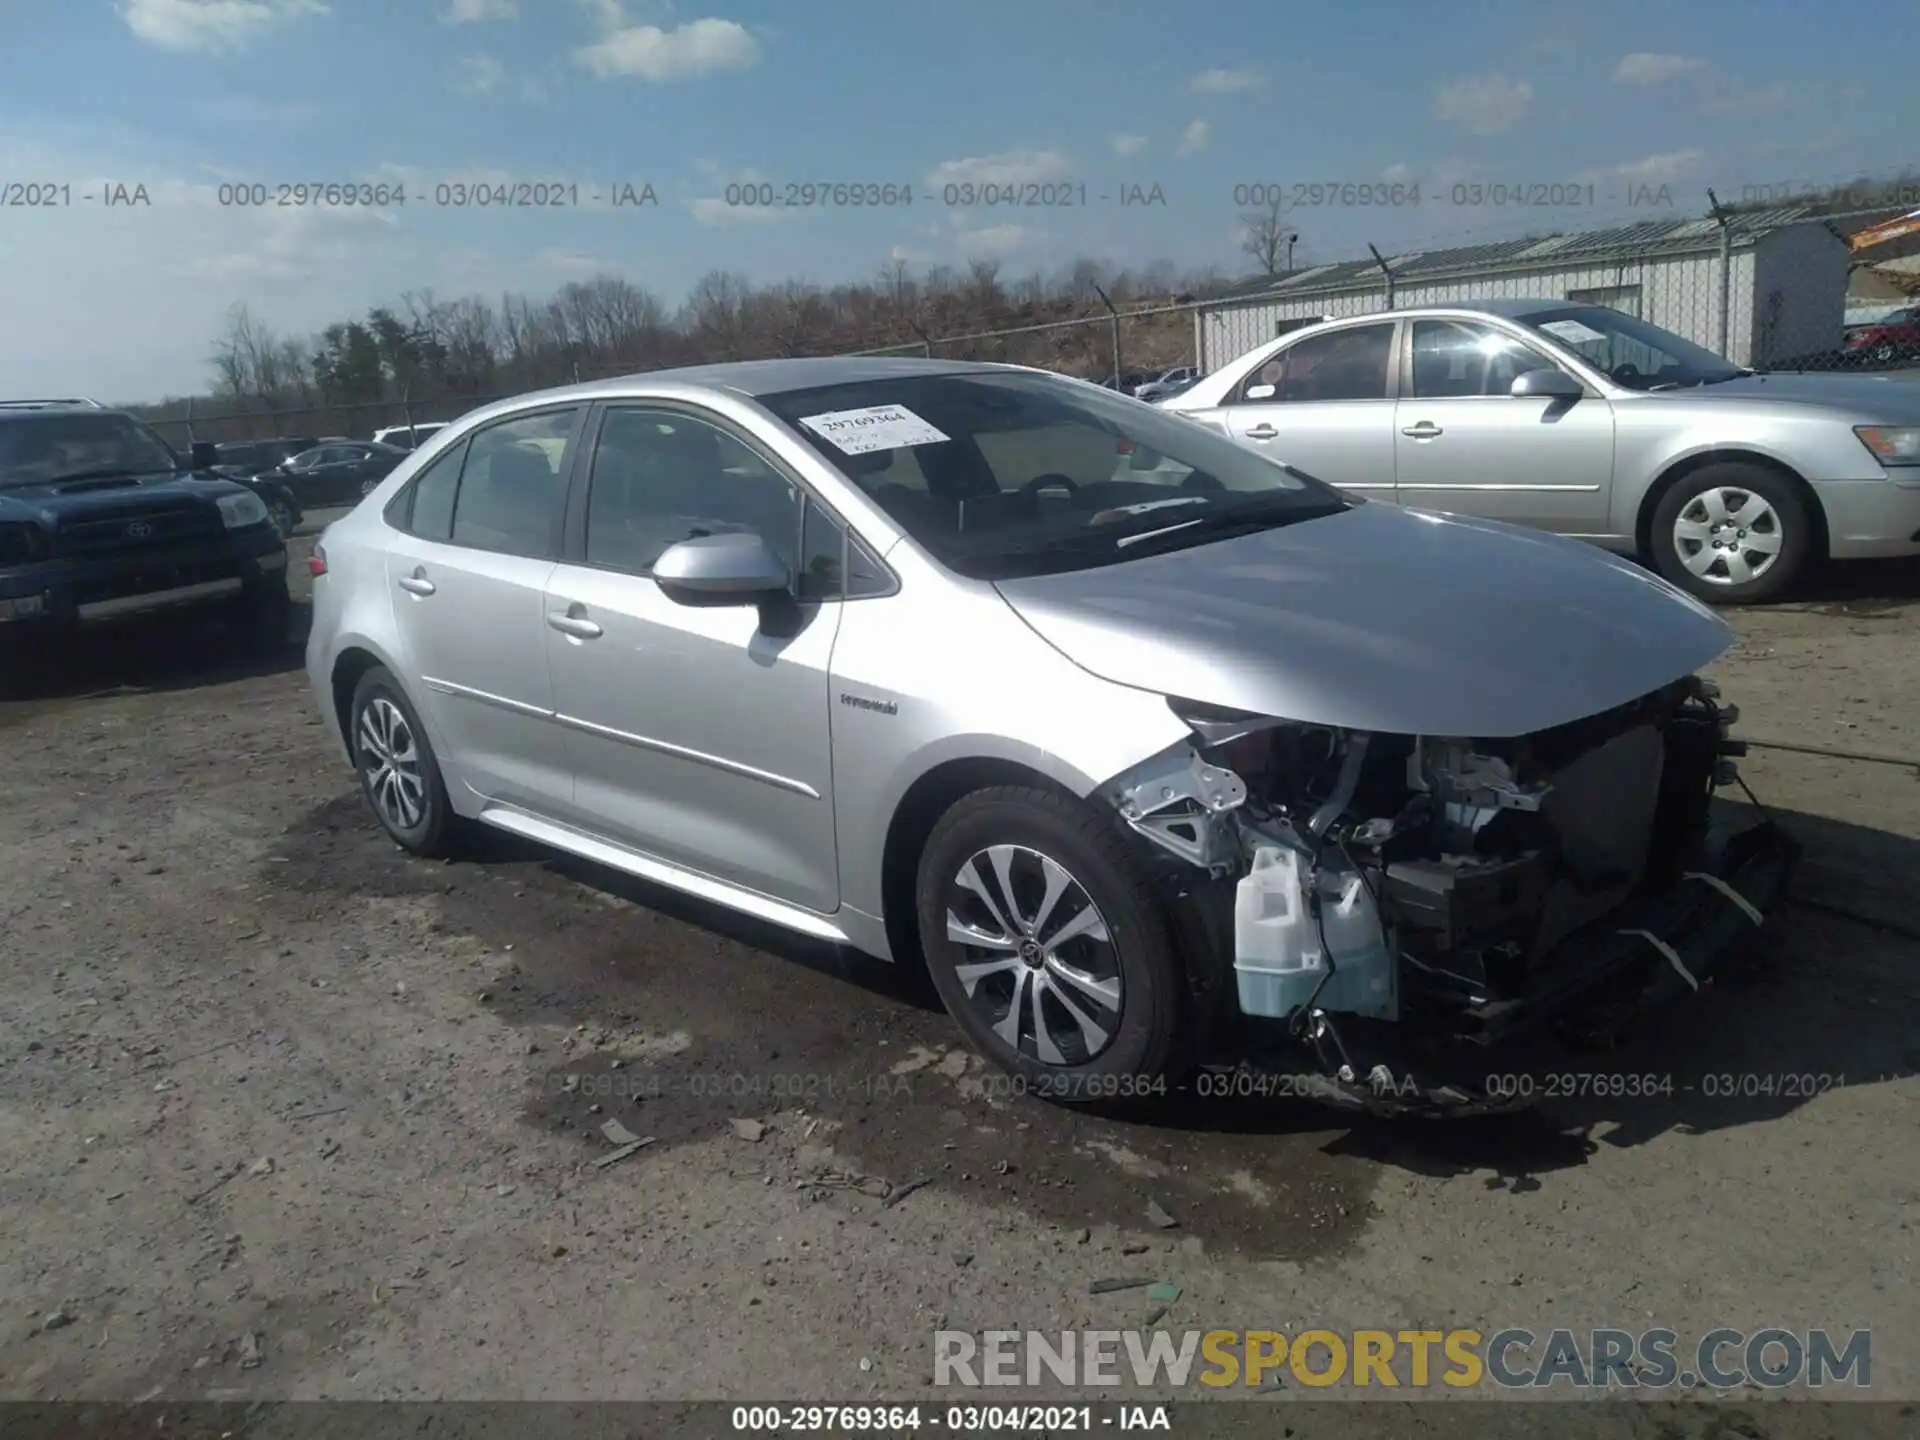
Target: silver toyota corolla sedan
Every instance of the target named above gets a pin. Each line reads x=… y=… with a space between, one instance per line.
x=1592 y=423
x=1156 y=751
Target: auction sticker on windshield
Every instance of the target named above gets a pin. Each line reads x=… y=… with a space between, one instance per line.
x=877 y=427
x=1572 y=331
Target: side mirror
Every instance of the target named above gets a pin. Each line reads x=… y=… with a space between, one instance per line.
x=1141 y=458
x=203 y=455
x=1547 y=384
x=733 y=569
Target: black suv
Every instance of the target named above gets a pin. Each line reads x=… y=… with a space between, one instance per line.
x=100 y=518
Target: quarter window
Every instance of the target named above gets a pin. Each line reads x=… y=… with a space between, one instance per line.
x=426 y=507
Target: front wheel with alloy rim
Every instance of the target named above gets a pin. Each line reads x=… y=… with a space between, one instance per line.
x=1732 y=533
x=1047 y=947
x=398 y=772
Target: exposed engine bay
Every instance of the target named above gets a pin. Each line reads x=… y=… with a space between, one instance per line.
x=1398 y=902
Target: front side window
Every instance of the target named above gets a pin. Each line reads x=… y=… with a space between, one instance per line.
x=1349 y=364
x=662 y=476
x=1015 y=473
x=510 y=485
x=54 y=448
x=1453 y=360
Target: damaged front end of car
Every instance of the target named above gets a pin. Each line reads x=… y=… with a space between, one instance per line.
x=1393 y=916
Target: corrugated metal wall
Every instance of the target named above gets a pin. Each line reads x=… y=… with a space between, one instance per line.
x=1806 y=267
x=1680 y=292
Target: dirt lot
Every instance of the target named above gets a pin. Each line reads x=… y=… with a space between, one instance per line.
x=270 y=1083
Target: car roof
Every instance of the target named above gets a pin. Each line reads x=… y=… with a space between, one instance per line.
x=759 y=378
x=56 y=411
x=1503 y=307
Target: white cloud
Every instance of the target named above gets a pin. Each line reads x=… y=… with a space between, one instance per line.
x=572 y=264
x=1129 y=144
x=647 y=52
x=1483 y=104
x=211 y=26
x=1397 y=174
x=994 y=241
x=1647 y=68
x=1194 y=138
x=1224 y=82
x=477 y=12
x=1010 y=167
x=480 y=75
x=1661 y=169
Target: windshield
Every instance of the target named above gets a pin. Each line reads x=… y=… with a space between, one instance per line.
x=1633 y=353
x=1004 y=473
x=52 y=448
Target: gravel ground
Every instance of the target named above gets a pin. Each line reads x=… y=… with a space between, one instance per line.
x=286 y=1113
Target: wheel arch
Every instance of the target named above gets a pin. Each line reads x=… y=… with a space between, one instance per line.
x=348 y=667
x=928 y=798
x=1680 y=469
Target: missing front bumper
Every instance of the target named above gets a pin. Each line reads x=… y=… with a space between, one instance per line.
x=1659 y=948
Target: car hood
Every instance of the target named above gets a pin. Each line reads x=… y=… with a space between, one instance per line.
x=135 y=492
x=1381 y=619
x=1878 y=395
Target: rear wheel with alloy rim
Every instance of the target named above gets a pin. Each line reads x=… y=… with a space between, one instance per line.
x=1732 y=533
x=1047 y=946
x=398 y=772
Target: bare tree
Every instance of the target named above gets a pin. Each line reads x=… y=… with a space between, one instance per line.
x=1269 y=237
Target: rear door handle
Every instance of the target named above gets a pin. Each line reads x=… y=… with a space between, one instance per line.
x=1262 y=432
x=417 y=584
x=1425 y=430
x=578 y=626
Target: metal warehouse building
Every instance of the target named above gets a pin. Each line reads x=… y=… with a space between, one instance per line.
x=1765 y=286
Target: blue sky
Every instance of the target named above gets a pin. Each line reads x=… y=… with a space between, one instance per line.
x=182 y=96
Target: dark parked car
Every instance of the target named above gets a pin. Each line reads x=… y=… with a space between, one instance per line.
x=337 y=474
x=101 y=519
x=251 y=457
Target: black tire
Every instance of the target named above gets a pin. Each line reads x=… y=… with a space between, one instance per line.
x=1693 y=496
x=1885 y=355
x=437 y=831
x=1144 y=1053
x=264 y=614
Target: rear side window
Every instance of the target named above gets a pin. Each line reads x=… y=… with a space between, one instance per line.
x=510 y=486
x=1348 y=364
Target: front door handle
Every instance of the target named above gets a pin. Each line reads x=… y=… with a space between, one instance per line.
x=577 y=626
x=417 y=584
x=1425 y=430
x=1262 y=432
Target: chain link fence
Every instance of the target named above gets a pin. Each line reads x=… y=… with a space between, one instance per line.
x=1766 y=289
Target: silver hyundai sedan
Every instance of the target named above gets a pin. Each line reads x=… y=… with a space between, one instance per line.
x=1158 y=753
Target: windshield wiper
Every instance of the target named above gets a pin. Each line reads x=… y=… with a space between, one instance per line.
x=1242 y=520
